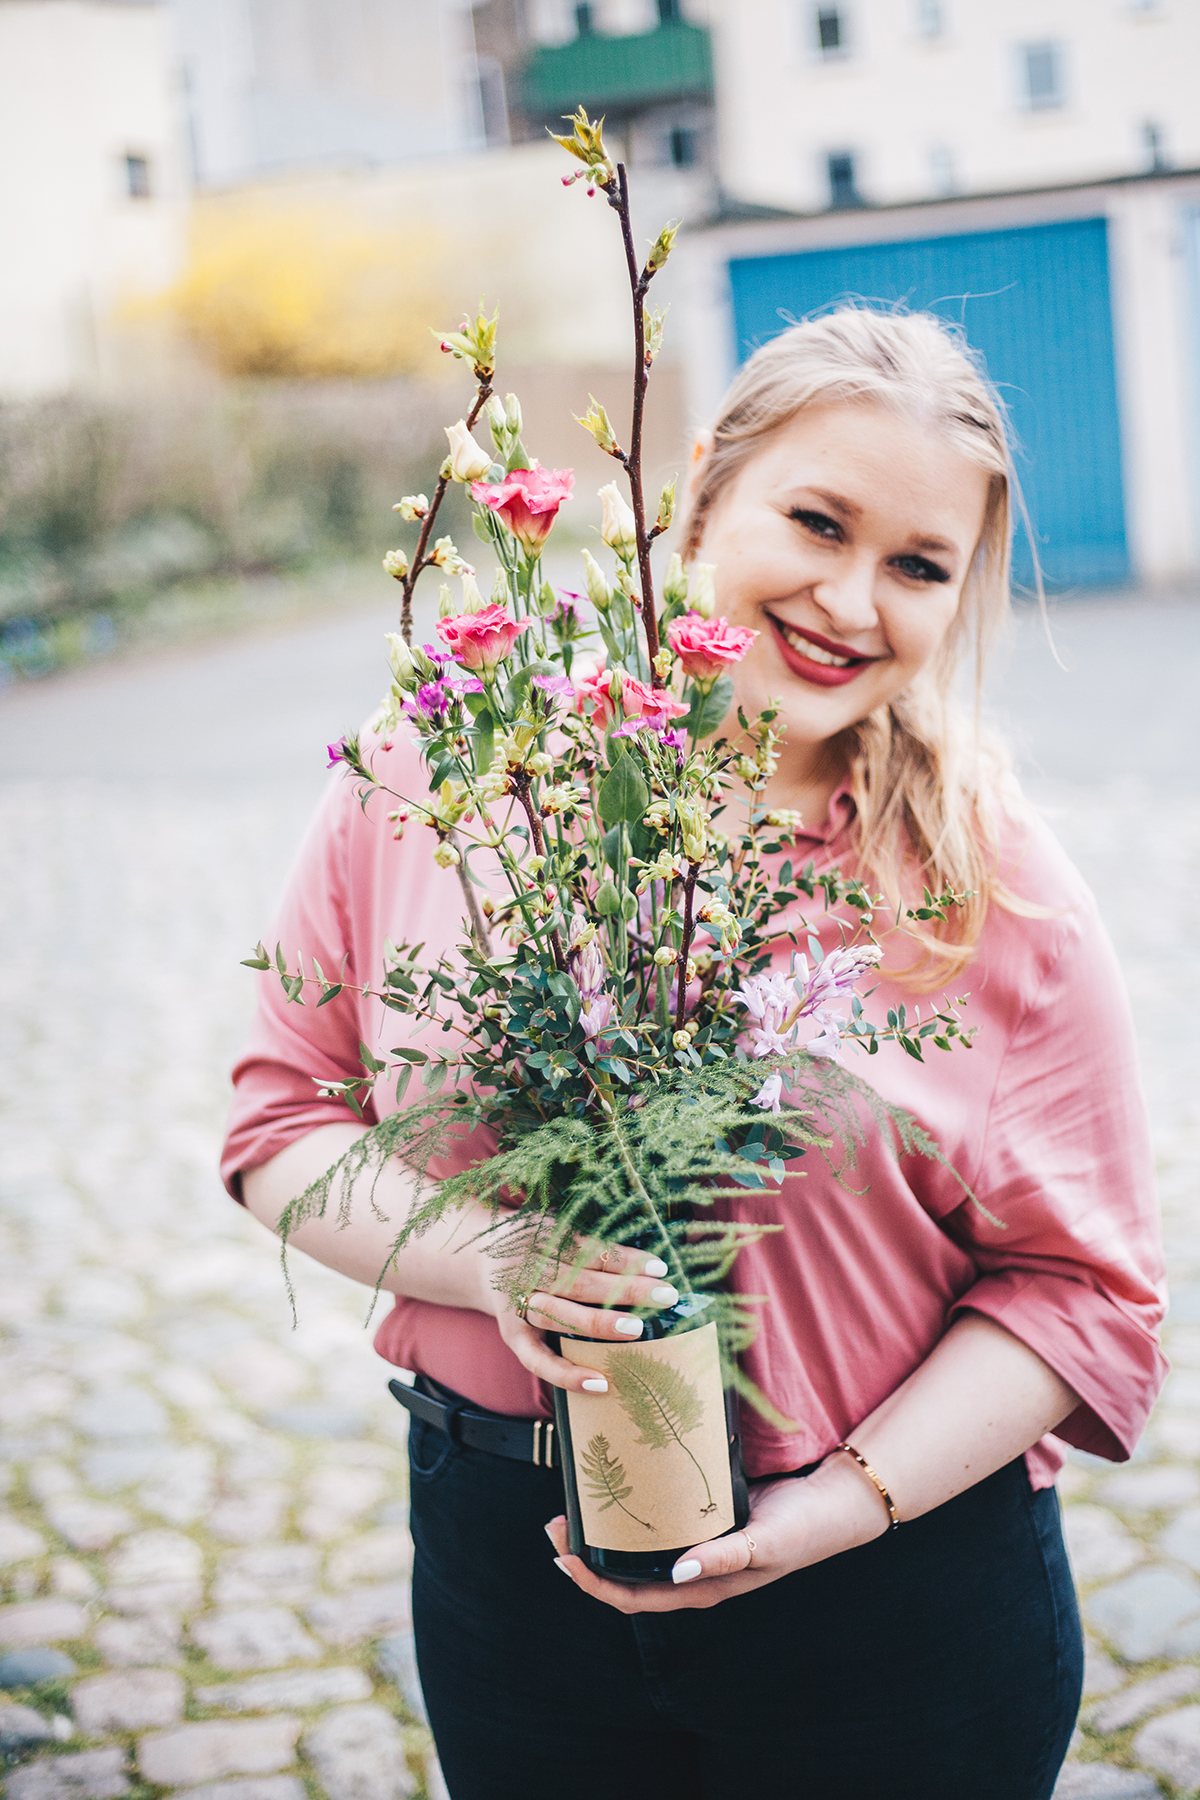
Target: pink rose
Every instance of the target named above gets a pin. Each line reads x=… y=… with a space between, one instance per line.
x=481 y=640
x=641 y=702
x=707 y=647
x=526 y=502
x=592 y=697
x=637 y=700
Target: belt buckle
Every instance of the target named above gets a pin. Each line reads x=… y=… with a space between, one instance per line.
x=543 y=1450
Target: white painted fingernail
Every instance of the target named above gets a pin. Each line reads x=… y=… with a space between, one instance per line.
x=655 y=1266
x=686 y=1571
x=595 y=1384
x=631 y=1327
x=664 y=1296
x=560 y=1564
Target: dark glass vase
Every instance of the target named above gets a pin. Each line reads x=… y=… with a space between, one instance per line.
x=668 y=1443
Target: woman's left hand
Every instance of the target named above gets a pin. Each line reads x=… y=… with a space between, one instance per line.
x=789 y=1525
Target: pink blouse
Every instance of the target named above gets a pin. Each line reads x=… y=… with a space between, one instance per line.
x=1043 y=1118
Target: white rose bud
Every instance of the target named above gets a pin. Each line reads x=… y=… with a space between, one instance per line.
x=467 y=461
x=500 y=594
x=512 y=412
x=618 y=527
x=675 y=582
x=473 y=600
x=447 y=608
x=702 y=594
x=403 y=663
x=598 y=590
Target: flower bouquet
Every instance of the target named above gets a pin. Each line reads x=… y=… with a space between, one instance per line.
x=617 y=1014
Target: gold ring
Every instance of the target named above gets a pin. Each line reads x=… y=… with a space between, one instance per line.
x=604 y=1258
x=753 y=1547
x=523 y=1305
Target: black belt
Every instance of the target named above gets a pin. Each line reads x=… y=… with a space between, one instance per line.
x=521 y=1440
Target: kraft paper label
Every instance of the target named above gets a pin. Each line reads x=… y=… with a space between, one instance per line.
x=652 y=1455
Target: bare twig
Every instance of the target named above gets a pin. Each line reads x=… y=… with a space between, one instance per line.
x=521 y=785
x=685 y=945
x=479 y=930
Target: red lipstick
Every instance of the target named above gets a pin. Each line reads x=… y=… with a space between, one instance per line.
x=819 y=673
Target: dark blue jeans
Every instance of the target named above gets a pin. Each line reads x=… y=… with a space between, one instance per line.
x=942 y=1661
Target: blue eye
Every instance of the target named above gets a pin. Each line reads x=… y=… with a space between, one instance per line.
x=919 y=568
x=819 y=523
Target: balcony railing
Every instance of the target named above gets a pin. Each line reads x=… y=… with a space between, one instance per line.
x=619 y=74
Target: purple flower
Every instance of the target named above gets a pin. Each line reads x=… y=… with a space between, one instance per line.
x=428 y=705
x=557 y=685
x=337 y=753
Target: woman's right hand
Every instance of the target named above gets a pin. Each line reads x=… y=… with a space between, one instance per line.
x=580 y=1302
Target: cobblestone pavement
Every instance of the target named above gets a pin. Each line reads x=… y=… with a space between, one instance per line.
x=203 y=1541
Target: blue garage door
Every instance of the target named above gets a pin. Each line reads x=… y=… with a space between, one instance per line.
x=1035 y=301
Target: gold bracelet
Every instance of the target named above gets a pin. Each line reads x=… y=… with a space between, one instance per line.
x=865 y=1466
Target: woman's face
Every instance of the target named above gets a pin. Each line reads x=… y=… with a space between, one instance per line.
x=844 y=542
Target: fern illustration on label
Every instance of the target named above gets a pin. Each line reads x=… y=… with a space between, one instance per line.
x=663 y=1404
x=605 y=1476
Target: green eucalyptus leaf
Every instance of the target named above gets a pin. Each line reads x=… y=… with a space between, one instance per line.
x=484 y=736
x=708 y=710
x=623 y=794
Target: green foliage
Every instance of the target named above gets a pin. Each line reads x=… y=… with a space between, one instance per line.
x=649 y=1169
x=605 y=1476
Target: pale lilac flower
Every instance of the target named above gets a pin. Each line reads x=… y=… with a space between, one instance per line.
x=768 y=1095
x=829 y=1041
x=834 y=979
x=597 y=1015
x=768 y=1000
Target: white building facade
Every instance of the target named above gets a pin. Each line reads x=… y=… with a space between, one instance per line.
x=92 y=192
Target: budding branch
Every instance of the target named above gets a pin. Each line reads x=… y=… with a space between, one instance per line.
x=639 y=282
x=420 y=561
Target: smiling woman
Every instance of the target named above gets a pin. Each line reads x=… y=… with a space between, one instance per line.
x=855 y=497
x=897 y=1617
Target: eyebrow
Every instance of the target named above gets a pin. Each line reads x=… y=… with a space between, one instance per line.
x=839 y=504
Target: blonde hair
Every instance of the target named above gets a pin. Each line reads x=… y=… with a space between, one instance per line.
x=926 y=779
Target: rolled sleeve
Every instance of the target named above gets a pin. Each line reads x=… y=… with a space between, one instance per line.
x=1074 y=1268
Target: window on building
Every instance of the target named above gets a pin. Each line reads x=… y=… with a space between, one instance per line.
x=1042 y=75
x=493 y=100
x=843 y=181
x=1152 y=145
x=137 y=176
x=941 y=169
x=584 y=23
x=831 y=30
x=681 y=146
x=931 y=20
x=670 y=12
